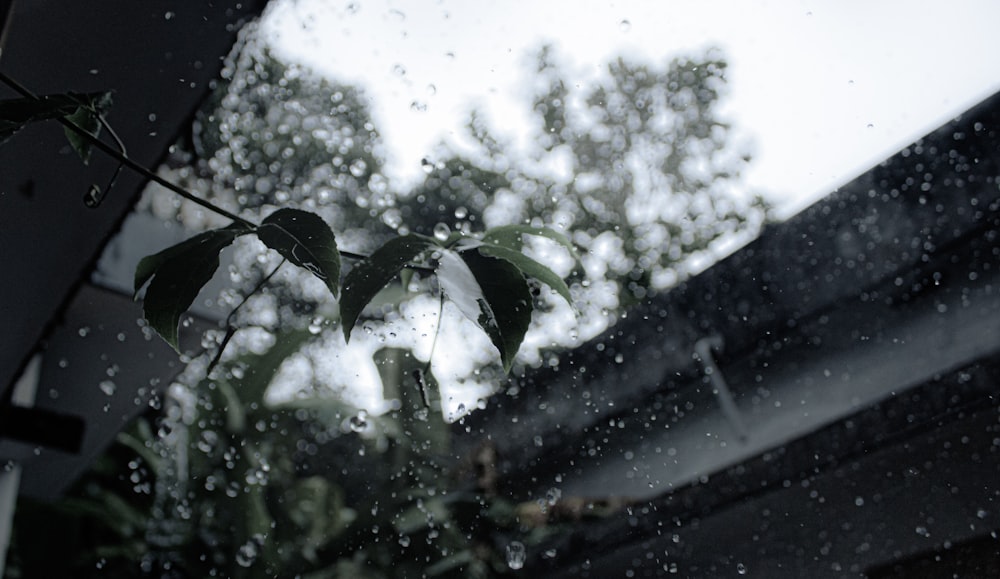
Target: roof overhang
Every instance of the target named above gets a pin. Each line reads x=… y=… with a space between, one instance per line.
x=161 y=59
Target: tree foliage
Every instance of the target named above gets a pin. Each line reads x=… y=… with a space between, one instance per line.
x=632 y=171
x=637 y=159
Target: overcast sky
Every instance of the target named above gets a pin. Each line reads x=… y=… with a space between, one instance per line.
x=822 y=90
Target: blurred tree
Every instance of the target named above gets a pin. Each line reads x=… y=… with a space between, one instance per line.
x=637 y=165
x=278 y=134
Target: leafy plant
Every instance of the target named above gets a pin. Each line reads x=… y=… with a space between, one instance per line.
x=485 y=277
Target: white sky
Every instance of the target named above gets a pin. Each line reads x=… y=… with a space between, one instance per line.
x=823 y=90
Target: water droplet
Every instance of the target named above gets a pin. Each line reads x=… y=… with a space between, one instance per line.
x=399 y=70
x=246 y=554
x=358 y=167
x=515 y=555
x=426 y=165
x=316 y=325
x=83 y=331
x=107 y=386
x=461 y=213
x=419 y=107
x=923 y=532
x=431 y=90
x=871 y=126
x=168 y=15
x=625 y=25
x=360 y=422
x=741 y=568
x=404 y=541
x=441 y=231
x=552 y=496
x=393 y=218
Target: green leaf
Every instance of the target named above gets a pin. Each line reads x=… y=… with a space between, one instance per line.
x=305 y=240
x=530 y=268
x=371 y=274
x=16 y=113
x=492 y=293
x=510 y=236
x=148 y=265
x=83 y=109
x=177 y=275
x=87 y=116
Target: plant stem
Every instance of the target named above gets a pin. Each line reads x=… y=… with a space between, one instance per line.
x=127 y=161
x=230 y=328
x=124 y=159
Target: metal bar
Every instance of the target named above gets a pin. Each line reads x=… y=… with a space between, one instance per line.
x=703 y=351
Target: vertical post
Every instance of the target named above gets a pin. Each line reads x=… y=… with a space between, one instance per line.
x=10 y=474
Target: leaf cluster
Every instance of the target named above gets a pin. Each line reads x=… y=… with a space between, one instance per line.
x=486 y=278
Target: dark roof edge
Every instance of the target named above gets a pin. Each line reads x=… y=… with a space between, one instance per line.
x=882 y=230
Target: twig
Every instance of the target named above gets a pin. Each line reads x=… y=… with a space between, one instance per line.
x=127 y=161
x=230 y=328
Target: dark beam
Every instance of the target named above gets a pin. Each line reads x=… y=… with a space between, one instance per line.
x=42 y=427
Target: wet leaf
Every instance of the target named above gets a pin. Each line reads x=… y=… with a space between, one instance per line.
x=492 y=293
x=510 y=237
x=530 y=268
x=82 y=109
x=16 y=113
x=370 y=275
x=177 y=274
x=87 y=116
x=149 y=264
x=305 y=240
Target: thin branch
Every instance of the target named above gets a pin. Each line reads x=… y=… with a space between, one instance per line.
x=230 y=328
x=94 y=195
x=127 y=161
